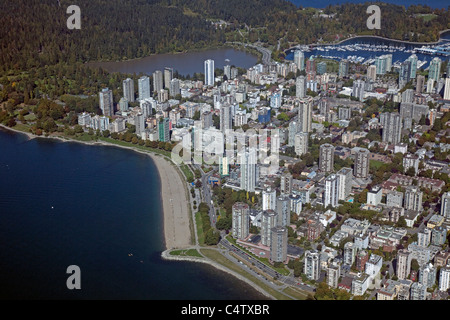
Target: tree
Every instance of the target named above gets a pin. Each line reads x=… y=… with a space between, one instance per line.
x=401 y=222
x=224 y=223
x=323 y=292
x=437 y=126
x=411 y=172
x=291 y=232
x=196 y=115
x=131 y=128
x=78 y=129
x=253 y=229
x=11 y=122
x=212 y=237
x=298 y=268
x=415 y=265
x=283 y=117
x=362 y=197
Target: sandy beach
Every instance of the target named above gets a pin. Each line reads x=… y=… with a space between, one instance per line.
x=175 y=205
x=175 y=202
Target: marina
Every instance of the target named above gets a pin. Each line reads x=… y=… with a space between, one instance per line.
x=364 y=50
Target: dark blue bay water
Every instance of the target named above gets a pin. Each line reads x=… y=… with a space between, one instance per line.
x=67 y=204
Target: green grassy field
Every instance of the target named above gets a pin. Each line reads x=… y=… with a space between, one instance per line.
x=200 y=233
x=30 y=117
x=376 y=164
x=22 y=127
x=187 y=172
x=189 y=252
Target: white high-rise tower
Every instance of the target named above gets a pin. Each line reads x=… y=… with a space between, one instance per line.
x=209 y=72
x=144 y=88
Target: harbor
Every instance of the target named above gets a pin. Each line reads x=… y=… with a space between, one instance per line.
x=364 y=50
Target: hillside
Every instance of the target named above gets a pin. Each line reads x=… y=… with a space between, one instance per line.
x=34 y=32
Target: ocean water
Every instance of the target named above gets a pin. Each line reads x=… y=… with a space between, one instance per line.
x=96 y=207
x=436 y=4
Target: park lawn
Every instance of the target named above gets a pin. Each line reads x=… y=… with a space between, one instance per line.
x=189 y=252
x=376 y=164
x=85 y=137
x=187 y=172
x=30 y=117
x=222 y=213
x=200 y=233
x=22 y=127
x=298 y=294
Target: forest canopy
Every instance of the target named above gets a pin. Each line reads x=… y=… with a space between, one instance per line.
x=34 y=33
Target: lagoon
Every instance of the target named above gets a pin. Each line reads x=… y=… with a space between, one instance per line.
x=185 y=63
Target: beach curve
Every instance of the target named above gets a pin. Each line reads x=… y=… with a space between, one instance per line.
x=177 y=234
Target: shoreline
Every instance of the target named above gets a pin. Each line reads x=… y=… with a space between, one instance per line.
x=155 y=54
x=163 y=166
x=165 y=255
x=375 y=37
x=175 y=222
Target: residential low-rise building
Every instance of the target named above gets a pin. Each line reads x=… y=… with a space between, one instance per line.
x=360 y=284
x=389 y=290
x=337 y=238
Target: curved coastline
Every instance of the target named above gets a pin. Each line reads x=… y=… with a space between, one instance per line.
x=174 y=237
x=162 y=53
x=176 y=215
x=388 y=39
x=375 y=37
x=165 y=255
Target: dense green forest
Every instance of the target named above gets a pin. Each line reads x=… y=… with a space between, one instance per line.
x=34 y=32
x=41 y=58
x=270 y=21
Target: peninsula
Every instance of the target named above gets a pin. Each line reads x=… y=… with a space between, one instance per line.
x=357 y=205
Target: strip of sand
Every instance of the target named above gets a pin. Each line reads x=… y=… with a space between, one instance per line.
x=175 y=203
